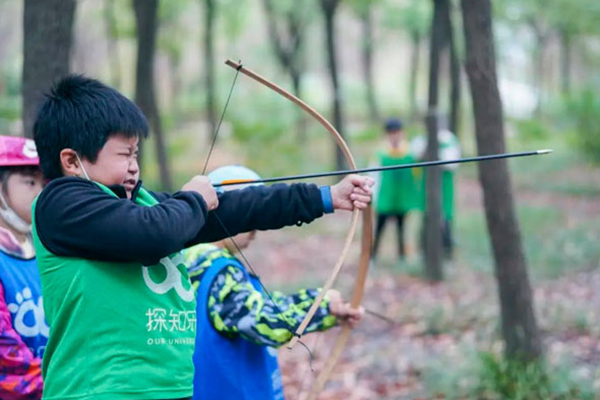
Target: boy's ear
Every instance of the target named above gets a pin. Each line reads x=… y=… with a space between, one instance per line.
x=69 y=163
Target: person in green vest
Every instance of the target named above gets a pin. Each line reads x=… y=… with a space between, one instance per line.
x=117 y=294
x=397 y=190
x=449 y=149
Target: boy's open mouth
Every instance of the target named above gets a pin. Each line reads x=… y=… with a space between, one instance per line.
x=129 y=184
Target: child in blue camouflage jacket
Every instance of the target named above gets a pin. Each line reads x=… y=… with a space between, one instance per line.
x=239 y=325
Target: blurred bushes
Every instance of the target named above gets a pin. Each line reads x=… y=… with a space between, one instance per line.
x=532 y=130
x=583 y=114
x=488 y=376
x=500 y=378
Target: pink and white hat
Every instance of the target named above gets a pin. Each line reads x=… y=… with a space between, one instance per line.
x=17 y=151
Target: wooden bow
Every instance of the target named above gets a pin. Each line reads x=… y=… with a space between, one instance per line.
x=366 y=241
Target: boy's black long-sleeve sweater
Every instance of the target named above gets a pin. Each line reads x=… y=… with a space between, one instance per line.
x=76 y=218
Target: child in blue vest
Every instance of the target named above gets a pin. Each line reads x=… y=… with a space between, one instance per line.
x=239 y=325
x=23 y=329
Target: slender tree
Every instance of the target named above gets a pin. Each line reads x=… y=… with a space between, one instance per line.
x=519 y=327
x=433 y=216
x=209 y=65
x=171 y=38
x=146 y=21
x=47 y=40
x=110 y=22
x=455 y=69
x=542 y=38
x=368 y=44
x=287 y=42
x=329 y=8
x=415 y=18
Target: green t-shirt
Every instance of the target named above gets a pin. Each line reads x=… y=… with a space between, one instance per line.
x=398 y=190
x=449 y=149
x=447 y=192
x=118 y=330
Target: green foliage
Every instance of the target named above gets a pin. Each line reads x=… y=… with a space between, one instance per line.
x=10 y=111
x=564 y=16
x=368 y=134
x=512 y=379
x=551 y=247
x=123 y=24
x=10 y=77
x=500 y=378
x=488 y=376
x=283 y=8
x=437 y=321
x=360 y=7
x=234 y=16
x=584 y=111
x=10 y=108
x=532 y=130
x=414 y=16
x=173 y=31
x=266 y=120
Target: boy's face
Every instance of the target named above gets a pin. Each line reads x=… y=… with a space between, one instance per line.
x=116 y=163
x=20 y=189
x=395 y=137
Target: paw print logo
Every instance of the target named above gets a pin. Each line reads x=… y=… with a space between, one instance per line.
x=26 y=305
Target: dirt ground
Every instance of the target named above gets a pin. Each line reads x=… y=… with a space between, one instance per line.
x=430 y=327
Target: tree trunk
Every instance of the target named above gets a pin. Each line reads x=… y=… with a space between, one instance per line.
x=300 y=119
x=566 y=57
x=145 y=97
x=454 y=74
x=329 y=8
x=209 y=67
x=367 y=60
x=112 y=45
x=288 y=56
x=414 y=71
x=47 y=39
x=519 y=326
x=433 y=218
x=540 y=70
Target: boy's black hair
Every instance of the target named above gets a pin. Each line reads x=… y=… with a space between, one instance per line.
x=81 y=113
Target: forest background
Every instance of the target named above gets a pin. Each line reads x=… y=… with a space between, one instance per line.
x=514 y=315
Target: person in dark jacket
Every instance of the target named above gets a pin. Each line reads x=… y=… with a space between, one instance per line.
x=116 y=290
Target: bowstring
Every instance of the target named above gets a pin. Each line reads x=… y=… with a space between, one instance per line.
x=230 y=237
x=216 y=132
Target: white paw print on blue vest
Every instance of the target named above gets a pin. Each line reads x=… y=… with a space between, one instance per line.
x=28 y=315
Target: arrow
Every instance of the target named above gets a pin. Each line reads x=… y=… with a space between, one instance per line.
x=387 y=168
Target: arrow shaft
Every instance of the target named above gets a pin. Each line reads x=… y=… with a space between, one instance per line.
x=387 y=168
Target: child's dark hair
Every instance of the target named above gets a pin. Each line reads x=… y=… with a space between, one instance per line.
x=393 y=125
x=27 y=170
x=81 y=114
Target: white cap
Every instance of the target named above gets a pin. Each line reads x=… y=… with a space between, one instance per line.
x=233 y=172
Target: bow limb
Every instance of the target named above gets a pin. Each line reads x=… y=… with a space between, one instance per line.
x=349 y=159
x=357 y=296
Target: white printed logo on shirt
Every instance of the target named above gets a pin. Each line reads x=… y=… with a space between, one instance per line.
x=26 y=304
x=173 y=279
